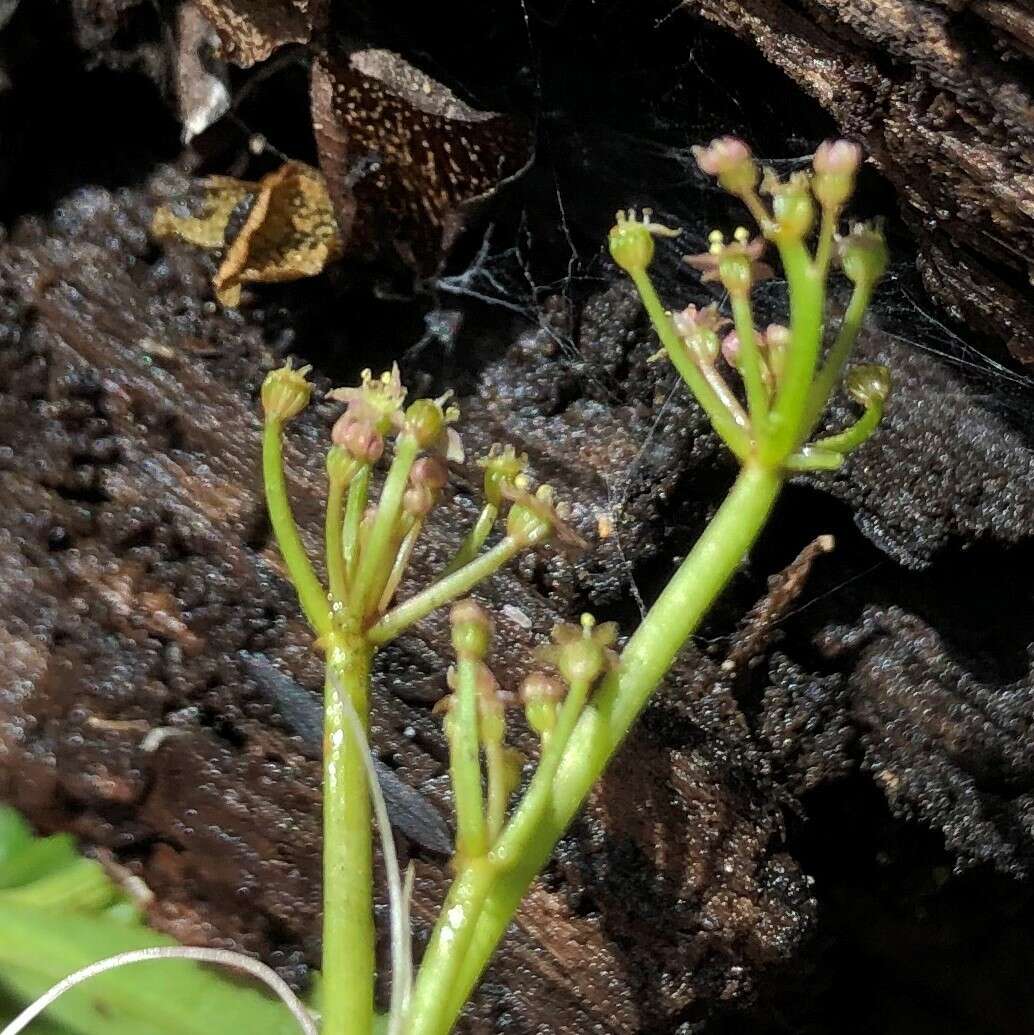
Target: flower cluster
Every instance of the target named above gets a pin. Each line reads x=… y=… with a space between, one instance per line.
x=787 y=372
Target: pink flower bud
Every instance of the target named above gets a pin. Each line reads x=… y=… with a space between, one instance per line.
x=836 y=164
x=730 y=160
x=777 y=336
x=359 y=437
x=731 y=348
x=430 y=472
x=837 y=158
x=722 y=155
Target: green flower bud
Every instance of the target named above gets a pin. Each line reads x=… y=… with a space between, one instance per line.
x=631 y=240
x=471 y=629
x=581 y=654
x=541 y=696
x=836 y=164
x=425 y=421
x=863 y=254
x=868 y=384
x=502 y=466
x=285 y=393
x=792 y=206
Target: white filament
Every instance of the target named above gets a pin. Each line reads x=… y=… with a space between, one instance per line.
x=221 y=957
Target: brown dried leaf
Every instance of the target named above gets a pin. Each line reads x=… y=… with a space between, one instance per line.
x=250 y=30
x=207 y=230
x=290 y=233
x=405 y=159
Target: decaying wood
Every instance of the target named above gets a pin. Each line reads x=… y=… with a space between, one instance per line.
x=939 y=92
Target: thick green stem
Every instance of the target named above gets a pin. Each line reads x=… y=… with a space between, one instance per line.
x=379 y=549
x=724 y=423
x=444 y=590
x=311 y=594
x=349 y=939
x=465 y=761
x=600 y=729
x=436 y=999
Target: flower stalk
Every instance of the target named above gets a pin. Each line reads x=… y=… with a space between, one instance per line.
x=766 y=412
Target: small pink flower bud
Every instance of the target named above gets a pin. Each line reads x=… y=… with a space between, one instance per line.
x=731 y=348
x=418 y=501
x=359 y=437
x=729 y=159
x=430 y=472
x=836 y=164
x=777 y=336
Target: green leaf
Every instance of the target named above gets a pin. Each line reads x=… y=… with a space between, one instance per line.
x=60 y=912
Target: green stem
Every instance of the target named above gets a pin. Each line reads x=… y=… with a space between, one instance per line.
x=724 y=423
x=854 y=435
x=498 y=788
x=465 y=761
x=433 y=1006
x=475 y=539
x=807 y=291
x=379 y=550
x=335 y=517
x=442 y=591
x=536 y=798
x=824 y=247
x=750 y=362
x=401 y=562
x=311 y=594
x=832 y=369
x=354 y=510
x=443 y=986
x=349 y=938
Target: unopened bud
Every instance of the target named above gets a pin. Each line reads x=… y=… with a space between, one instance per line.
x=836 y=164
x=285 y=393
x=425 y=421
x=792 y=207
x=361 y=438
x=541 y=696
x=731 y=349
x=430 y=472
x=491 y=708
x=729 y=159
x=471 y=629
x=868 y=384
x=502 y=466
x=418 y=501
x=863 y=254
x=581 y=653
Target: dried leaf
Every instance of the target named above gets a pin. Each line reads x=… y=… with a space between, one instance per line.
x=250 y=30
x=405 y=159
x=289 y=231
x=208 y=230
